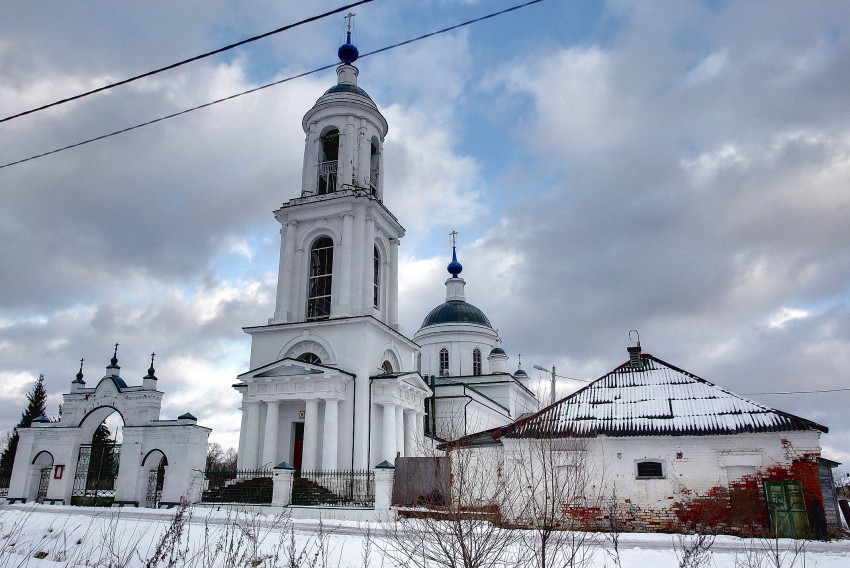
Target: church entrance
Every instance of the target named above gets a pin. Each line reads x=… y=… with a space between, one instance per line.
x=97 y=462
x=297 y=444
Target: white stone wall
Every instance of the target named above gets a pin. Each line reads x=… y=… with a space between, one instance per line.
x=693 y=466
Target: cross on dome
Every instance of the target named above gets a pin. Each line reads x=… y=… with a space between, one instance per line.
x=454 y=266
x=347 y=52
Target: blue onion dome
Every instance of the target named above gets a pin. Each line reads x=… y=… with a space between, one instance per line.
x=456 y=311
x=454 y=266
x=520 y=373
x=347 y=52
x=498 y=351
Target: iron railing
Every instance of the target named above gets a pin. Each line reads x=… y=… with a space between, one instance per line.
x=4 y=486
x=327 y=176
x=336 y=488
x=97 y=469
x=237 y=486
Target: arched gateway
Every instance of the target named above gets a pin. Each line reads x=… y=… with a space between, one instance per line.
x=158 y=463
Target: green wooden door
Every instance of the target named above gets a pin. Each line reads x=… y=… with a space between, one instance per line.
x=786 y=505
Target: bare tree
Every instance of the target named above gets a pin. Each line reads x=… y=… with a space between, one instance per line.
x=463 y=527
x=559 y=499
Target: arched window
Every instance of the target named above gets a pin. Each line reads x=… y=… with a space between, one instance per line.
x=387 y=367
x=311 y=358
x=319 y=286
x=476 y=361
x=377 y=277
x=328 y=161
x=444 y=362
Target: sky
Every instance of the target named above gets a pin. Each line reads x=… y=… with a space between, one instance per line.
x=677 y=168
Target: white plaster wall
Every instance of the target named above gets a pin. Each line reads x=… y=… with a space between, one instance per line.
x=460 y=340
x=703 y=463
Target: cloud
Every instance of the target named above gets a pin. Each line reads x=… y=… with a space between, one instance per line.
x=678 y=170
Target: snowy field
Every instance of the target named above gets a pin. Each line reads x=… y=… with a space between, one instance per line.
x=34 y=535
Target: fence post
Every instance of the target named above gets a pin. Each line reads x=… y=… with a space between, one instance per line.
x=282 y=484
x=384 y=477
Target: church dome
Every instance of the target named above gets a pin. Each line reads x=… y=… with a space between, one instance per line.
x=498 y=351
x=456 y=311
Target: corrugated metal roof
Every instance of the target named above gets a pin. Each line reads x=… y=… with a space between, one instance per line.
x=657 y=399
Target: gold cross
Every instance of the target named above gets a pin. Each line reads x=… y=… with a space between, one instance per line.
x=348 y=17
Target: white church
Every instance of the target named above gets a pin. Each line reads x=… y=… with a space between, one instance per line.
x=333 y=384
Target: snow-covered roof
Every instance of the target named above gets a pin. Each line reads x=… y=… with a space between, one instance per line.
x=654 y=398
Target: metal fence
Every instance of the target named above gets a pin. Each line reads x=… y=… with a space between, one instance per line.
x=338 y=488
x=238 y=486
x=4 y=486
x=97 y=468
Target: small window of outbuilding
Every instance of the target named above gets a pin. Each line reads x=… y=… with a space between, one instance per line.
x=650 y=470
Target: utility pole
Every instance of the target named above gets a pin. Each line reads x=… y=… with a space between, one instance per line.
x=552 y=388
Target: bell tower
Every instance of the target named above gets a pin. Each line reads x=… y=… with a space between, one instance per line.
x=331 y=383
x=339 y=244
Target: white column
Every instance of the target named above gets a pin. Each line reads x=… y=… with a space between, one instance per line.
x=270 y=439
x=388 y=434
x=311 y=434
x=347 y=143
x=392 y=286
x=310 y=182
x=381 y=174
x=298 y=297
x=363 y=155
x=331 y=435
x=252 y=440
x=285 y=273
x=368 y=274
x=345 y=257
x=357 y=261
x=399 y=430
x=419 y=433
x=410 y=448
x=243 y=437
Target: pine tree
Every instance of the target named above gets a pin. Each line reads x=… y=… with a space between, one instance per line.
x=36 y=401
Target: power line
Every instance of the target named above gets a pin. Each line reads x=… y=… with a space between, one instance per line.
x=266 y=86
x=185 y=61
x=795 y=392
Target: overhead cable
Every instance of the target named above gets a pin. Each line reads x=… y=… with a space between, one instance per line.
x=185 y=61
x=266 y=86
x=796 y=392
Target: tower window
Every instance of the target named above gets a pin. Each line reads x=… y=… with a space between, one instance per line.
x=444 y=362
x=476 y=361
x=377 y=277
x=319 y=286
x=328 y=161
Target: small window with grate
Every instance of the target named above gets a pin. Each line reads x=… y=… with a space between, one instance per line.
x=476 y=361
x=444 y=362
x=650 y=470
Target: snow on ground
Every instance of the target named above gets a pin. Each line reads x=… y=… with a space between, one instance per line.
x=45 y=535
